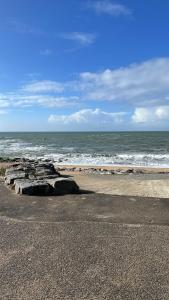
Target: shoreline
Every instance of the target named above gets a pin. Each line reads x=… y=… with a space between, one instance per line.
x=101 y=169
x=126 y=169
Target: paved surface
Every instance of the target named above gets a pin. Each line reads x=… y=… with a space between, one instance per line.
x=145 y=185
x=83 y=247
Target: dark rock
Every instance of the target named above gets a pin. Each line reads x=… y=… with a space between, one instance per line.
x=129 y=171
x=39 y=179
x=63 y=186
x=53 y=176
x=44 y=169
x=32 y=187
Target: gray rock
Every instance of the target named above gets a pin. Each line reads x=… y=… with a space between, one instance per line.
x=45 y=169
x=138 y=171
x=32 y=177
x=13 y=170
x=39 y=179
x=63 y=186
x=53 y=176
x=32 y=187
x=9 y=179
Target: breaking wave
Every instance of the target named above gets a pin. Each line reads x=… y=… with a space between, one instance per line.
x=66 y=154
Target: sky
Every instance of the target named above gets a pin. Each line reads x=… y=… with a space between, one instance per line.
x=84 y=65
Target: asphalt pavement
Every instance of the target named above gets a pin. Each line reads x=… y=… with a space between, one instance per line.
x=83 y=247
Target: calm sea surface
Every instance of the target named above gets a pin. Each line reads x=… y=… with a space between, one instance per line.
x=90 y=148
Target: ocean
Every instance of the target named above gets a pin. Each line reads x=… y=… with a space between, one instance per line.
x=89 y=148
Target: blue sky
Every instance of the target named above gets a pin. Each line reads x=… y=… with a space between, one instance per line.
x=84 y=65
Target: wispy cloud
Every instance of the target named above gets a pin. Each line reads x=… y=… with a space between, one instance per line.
x=15 y=25
x=81 y=38
x=109 y=8
x=20 y=100
x=46 y=52
x=43 y=86
x=33 y=75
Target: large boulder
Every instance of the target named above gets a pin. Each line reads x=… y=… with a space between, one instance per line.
x=63 y=185
x=39 y=179
x=32 y=187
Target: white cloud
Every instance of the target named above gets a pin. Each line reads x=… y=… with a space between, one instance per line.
x=82 y=38
x=43 y=86
x=136 y=83
x=27 y=100
x=109 y=8
x=4 y=101
x=88 y=116
x=142 y=84
x=162 y=112
x=150 y=114
x=141 y=115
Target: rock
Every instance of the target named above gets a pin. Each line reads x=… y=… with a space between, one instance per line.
x=32 y=177
x=39 y=179
x=32 y=187
x=13 y=170
x=138 y=171
x=45 y=169
x=63 y=186
x=129 y=171
x=9 y=179
x=53 y=176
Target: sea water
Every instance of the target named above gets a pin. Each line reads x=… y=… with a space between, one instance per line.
x=89 y=148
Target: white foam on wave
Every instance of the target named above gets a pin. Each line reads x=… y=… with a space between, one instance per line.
x=69 y=156
x=12 y=146
x=139 y=159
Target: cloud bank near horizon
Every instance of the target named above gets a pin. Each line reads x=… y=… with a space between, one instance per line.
x=142 y=87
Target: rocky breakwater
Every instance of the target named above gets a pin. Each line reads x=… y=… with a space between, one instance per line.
x=38 y=179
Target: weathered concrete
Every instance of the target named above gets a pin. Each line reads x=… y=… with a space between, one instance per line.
x=126 y=185
x=83 y=247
